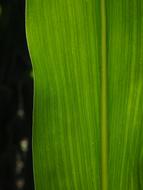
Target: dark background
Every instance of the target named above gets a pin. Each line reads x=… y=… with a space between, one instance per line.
x=16 y=94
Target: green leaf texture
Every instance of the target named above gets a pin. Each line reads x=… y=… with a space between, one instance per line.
x=87 y=58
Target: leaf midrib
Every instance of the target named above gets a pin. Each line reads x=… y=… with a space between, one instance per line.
x=103 y=100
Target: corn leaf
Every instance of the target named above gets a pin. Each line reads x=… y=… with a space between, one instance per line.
x=87 y=58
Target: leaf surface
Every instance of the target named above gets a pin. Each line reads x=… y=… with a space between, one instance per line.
x=87 y=131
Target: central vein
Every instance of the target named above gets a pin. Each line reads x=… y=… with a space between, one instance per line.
x=103 y=100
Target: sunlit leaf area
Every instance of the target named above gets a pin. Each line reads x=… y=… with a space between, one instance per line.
x=87 y=58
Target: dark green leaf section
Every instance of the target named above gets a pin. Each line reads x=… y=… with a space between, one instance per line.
x=65 y=43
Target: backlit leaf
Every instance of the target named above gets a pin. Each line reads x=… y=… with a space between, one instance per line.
x=88 y=101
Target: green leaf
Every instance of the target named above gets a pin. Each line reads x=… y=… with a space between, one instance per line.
x=87 y=58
